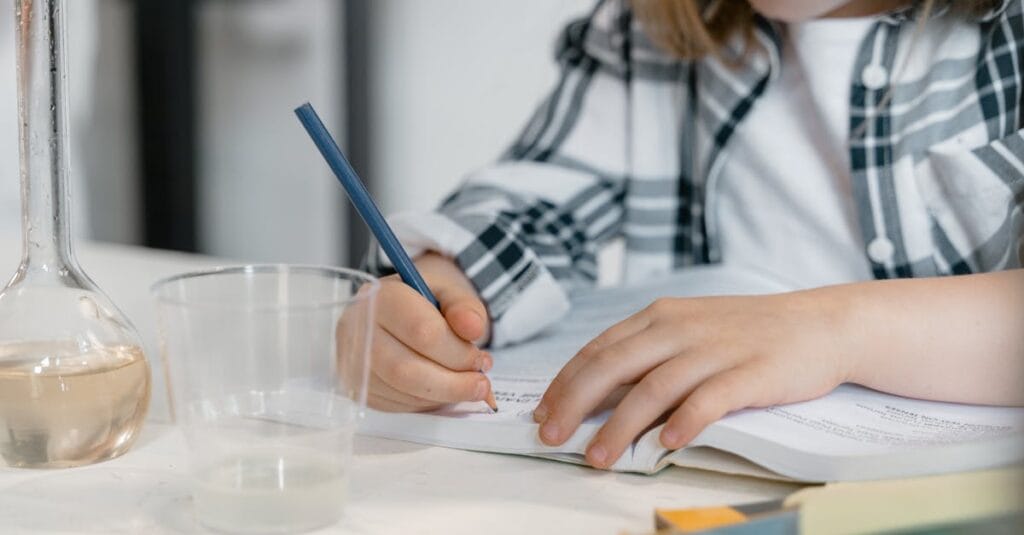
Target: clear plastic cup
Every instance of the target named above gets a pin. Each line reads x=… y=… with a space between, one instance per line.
x=267 y=370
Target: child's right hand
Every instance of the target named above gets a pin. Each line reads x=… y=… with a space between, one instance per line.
x=421 y=358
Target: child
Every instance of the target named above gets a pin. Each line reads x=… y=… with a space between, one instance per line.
x=865 y=150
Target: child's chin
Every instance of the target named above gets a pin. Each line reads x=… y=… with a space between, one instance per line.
x=794 y=11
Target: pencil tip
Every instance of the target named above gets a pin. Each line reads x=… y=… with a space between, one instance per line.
x=492 y=403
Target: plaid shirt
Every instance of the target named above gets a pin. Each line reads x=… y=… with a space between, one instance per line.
x=631 y=143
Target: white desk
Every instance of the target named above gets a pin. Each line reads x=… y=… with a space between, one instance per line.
x=396 y=487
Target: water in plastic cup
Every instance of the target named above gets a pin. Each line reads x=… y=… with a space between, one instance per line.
x=267 y=370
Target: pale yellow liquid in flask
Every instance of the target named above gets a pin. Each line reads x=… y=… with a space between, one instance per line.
x=60 y=407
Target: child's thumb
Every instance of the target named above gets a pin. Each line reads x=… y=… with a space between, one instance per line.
x=465 y=313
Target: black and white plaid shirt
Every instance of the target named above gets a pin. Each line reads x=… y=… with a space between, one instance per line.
x=631 y=142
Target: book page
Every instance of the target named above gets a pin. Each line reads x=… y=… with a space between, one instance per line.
x=857 y=433
x=516 y=398
x=857 y=421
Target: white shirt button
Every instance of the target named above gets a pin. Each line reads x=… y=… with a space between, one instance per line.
x=874 y=76
x=881 y=250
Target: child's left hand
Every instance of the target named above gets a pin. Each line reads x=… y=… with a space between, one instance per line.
x=700 y=359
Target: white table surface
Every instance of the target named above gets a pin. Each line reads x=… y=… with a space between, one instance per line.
x=396 y=487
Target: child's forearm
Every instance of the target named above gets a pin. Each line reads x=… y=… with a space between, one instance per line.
x=953 y=339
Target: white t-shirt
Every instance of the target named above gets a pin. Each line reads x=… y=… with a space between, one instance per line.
x=785 y=202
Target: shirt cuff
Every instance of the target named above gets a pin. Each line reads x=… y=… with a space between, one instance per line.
x=519 y=312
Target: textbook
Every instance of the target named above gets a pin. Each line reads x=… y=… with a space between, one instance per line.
x=985 y=501
x=853 y=433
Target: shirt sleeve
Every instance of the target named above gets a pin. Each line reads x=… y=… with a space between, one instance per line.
x=527 y=229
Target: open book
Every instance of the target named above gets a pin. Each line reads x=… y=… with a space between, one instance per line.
x=851 y=434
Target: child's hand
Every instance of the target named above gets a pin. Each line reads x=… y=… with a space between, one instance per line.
x=421 y=358
x=698 y=359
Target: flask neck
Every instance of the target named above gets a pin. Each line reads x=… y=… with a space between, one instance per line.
x=42 y=123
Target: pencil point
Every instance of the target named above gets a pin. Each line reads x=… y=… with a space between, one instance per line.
x=492 y=403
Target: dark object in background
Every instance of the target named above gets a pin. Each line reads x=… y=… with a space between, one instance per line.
x=165 y=37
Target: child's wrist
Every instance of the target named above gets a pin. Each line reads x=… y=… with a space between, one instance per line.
x=840 y=311
x=867 y=320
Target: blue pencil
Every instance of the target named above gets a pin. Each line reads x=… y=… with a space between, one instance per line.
x=368 y=209
x=363 y=202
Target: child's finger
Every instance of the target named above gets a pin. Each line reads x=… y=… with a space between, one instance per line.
x=661 y=389
x=411 y=319
x=731 y=390
x=407 y=401
x=407 y=371
x=621 y=363
x=382 y=403
x=464 y=312
x=613 y=334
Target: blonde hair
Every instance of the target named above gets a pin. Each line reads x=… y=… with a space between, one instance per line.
x=695 y=28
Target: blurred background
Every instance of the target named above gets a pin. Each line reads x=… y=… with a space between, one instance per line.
x=181 y=113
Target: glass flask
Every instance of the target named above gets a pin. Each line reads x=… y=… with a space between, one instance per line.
x=74 y=384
